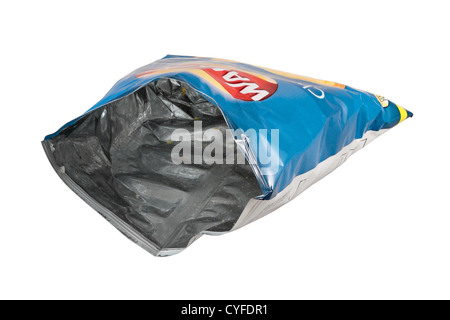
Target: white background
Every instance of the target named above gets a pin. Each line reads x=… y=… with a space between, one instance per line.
x=378 y=227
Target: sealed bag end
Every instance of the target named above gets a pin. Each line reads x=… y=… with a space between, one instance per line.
x=391 y=114
x=404 y=114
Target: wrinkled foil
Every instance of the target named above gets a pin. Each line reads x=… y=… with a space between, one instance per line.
x=120 y=157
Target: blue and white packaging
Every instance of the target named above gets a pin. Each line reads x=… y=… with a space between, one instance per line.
x=188 y=146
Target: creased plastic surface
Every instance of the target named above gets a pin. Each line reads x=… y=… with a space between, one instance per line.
x=118 y=151
x=120 y=155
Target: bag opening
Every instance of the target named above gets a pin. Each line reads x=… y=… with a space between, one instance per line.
x=120 y=155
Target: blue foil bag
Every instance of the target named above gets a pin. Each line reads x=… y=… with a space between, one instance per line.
x=188 y=146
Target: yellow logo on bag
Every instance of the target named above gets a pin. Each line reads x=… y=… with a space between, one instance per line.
x=382 y=100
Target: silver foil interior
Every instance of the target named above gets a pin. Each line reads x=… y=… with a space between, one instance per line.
x=119 y=157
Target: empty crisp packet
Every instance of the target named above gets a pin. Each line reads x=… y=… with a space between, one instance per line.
x=188 y=146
